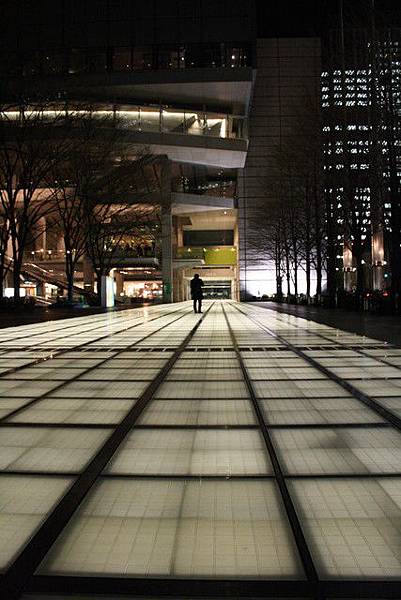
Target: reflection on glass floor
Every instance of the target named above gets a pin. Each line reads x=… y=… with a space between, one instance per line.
x=239 y=429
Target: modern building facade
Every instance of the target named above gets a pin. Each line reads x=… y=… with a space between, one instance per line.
x=180 y=78
x=287 y=88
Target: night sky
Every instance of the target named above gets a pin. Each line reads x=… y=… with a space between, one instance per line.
x=313 y=17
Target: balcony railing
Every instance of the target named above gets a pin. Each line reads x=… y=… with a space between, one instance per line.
x=162 y=120
x=156 y=120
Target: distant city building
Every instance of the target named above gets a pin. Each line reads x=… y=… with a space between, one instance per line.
x=361 y=108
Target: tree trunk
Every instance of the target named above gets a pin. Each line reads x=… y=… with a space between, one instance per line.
x=318 y=274
x=295 y=254
x=69 y=271
x=3 y=273
x=296 y=280
x=17 y=278
x=308 y=262
x=331 y=256
x=287 y=268
x=279 y=278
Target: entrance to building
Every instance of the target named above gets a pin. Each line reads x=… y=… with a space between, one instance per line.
x=217 y=290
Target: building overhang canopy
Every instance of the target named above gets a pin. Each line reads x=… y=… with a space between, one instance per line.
x=183 y=203
x=229 y=89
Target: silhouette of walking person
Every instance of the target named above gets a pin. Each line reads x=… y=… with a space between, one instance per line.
x=196 y=292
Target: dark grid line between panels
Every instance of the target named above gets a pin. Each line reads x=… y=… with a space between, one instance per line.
x=150 y=588
x=361 y=396
x=209 y=477
x=174 y=587
x=77 y=377
x=345 y=586
x=304 y=552
x=57 y=353
x=17 y=578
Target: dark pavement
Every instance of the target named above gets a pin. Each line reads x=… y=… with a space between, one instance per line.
x=13 y=318
x=382 y=327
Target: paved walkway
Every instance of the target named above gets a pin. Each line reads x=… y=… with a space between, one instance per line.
x=146 y=448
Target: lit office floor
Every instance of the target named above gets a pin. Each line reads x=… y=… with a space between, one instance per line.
x=146 y=448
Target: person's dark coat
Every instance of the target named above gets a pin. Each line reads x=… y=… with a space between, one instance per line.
x=196 y=288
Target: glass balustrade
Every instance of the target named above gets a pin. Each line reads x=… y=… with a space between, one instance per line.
x=152 y=119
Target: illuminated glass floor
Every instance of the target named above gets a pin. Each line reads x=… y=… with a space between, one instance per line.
x=155 y=451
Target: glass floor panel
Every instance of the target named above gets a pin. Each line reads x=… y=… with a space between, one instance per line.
x=317 y=411
x=93 y=389
x=272 y=355
x=199 y=412
x=191 y=452
x=384 y=352
x=135 y=355
x=203 y=390
x=146 y=362
x=189 y=490
x=24 y=503
x=392 y=404
x=359 y=362
x=299 y=389
x=13 y=403
x=285 y=374
x=178 y=528
x=353 y=527
x=207 y=354
x=338 y=451
x=74 y=411
x=393 y=360
x=11 y=363
x=46 y=374
x=211 y=374
x=69 y=363
x=15 y=388
x=100 y=374
x=206 y=363
x=43 y=449
x=390 y=387
x=379 y=371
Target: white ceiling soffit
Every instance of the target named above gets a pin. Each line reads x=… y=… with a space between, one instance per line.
x=185 y=203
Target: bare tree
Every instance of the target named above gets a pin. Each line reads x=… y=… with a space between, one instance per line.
x=106 y=228
x=29 y=149
x=4 y=239
x=94 y=187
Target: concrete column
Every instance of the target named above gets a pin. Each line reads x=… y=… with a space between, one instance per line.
x=107 y=291
x=378 y=260
x=348 y=266
x=378 y=277
x=119 y=277
x=167 y=227
x=176 y=279
x=40 y=235
x=89 y=277
x=167 y=255
x=60 y=245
